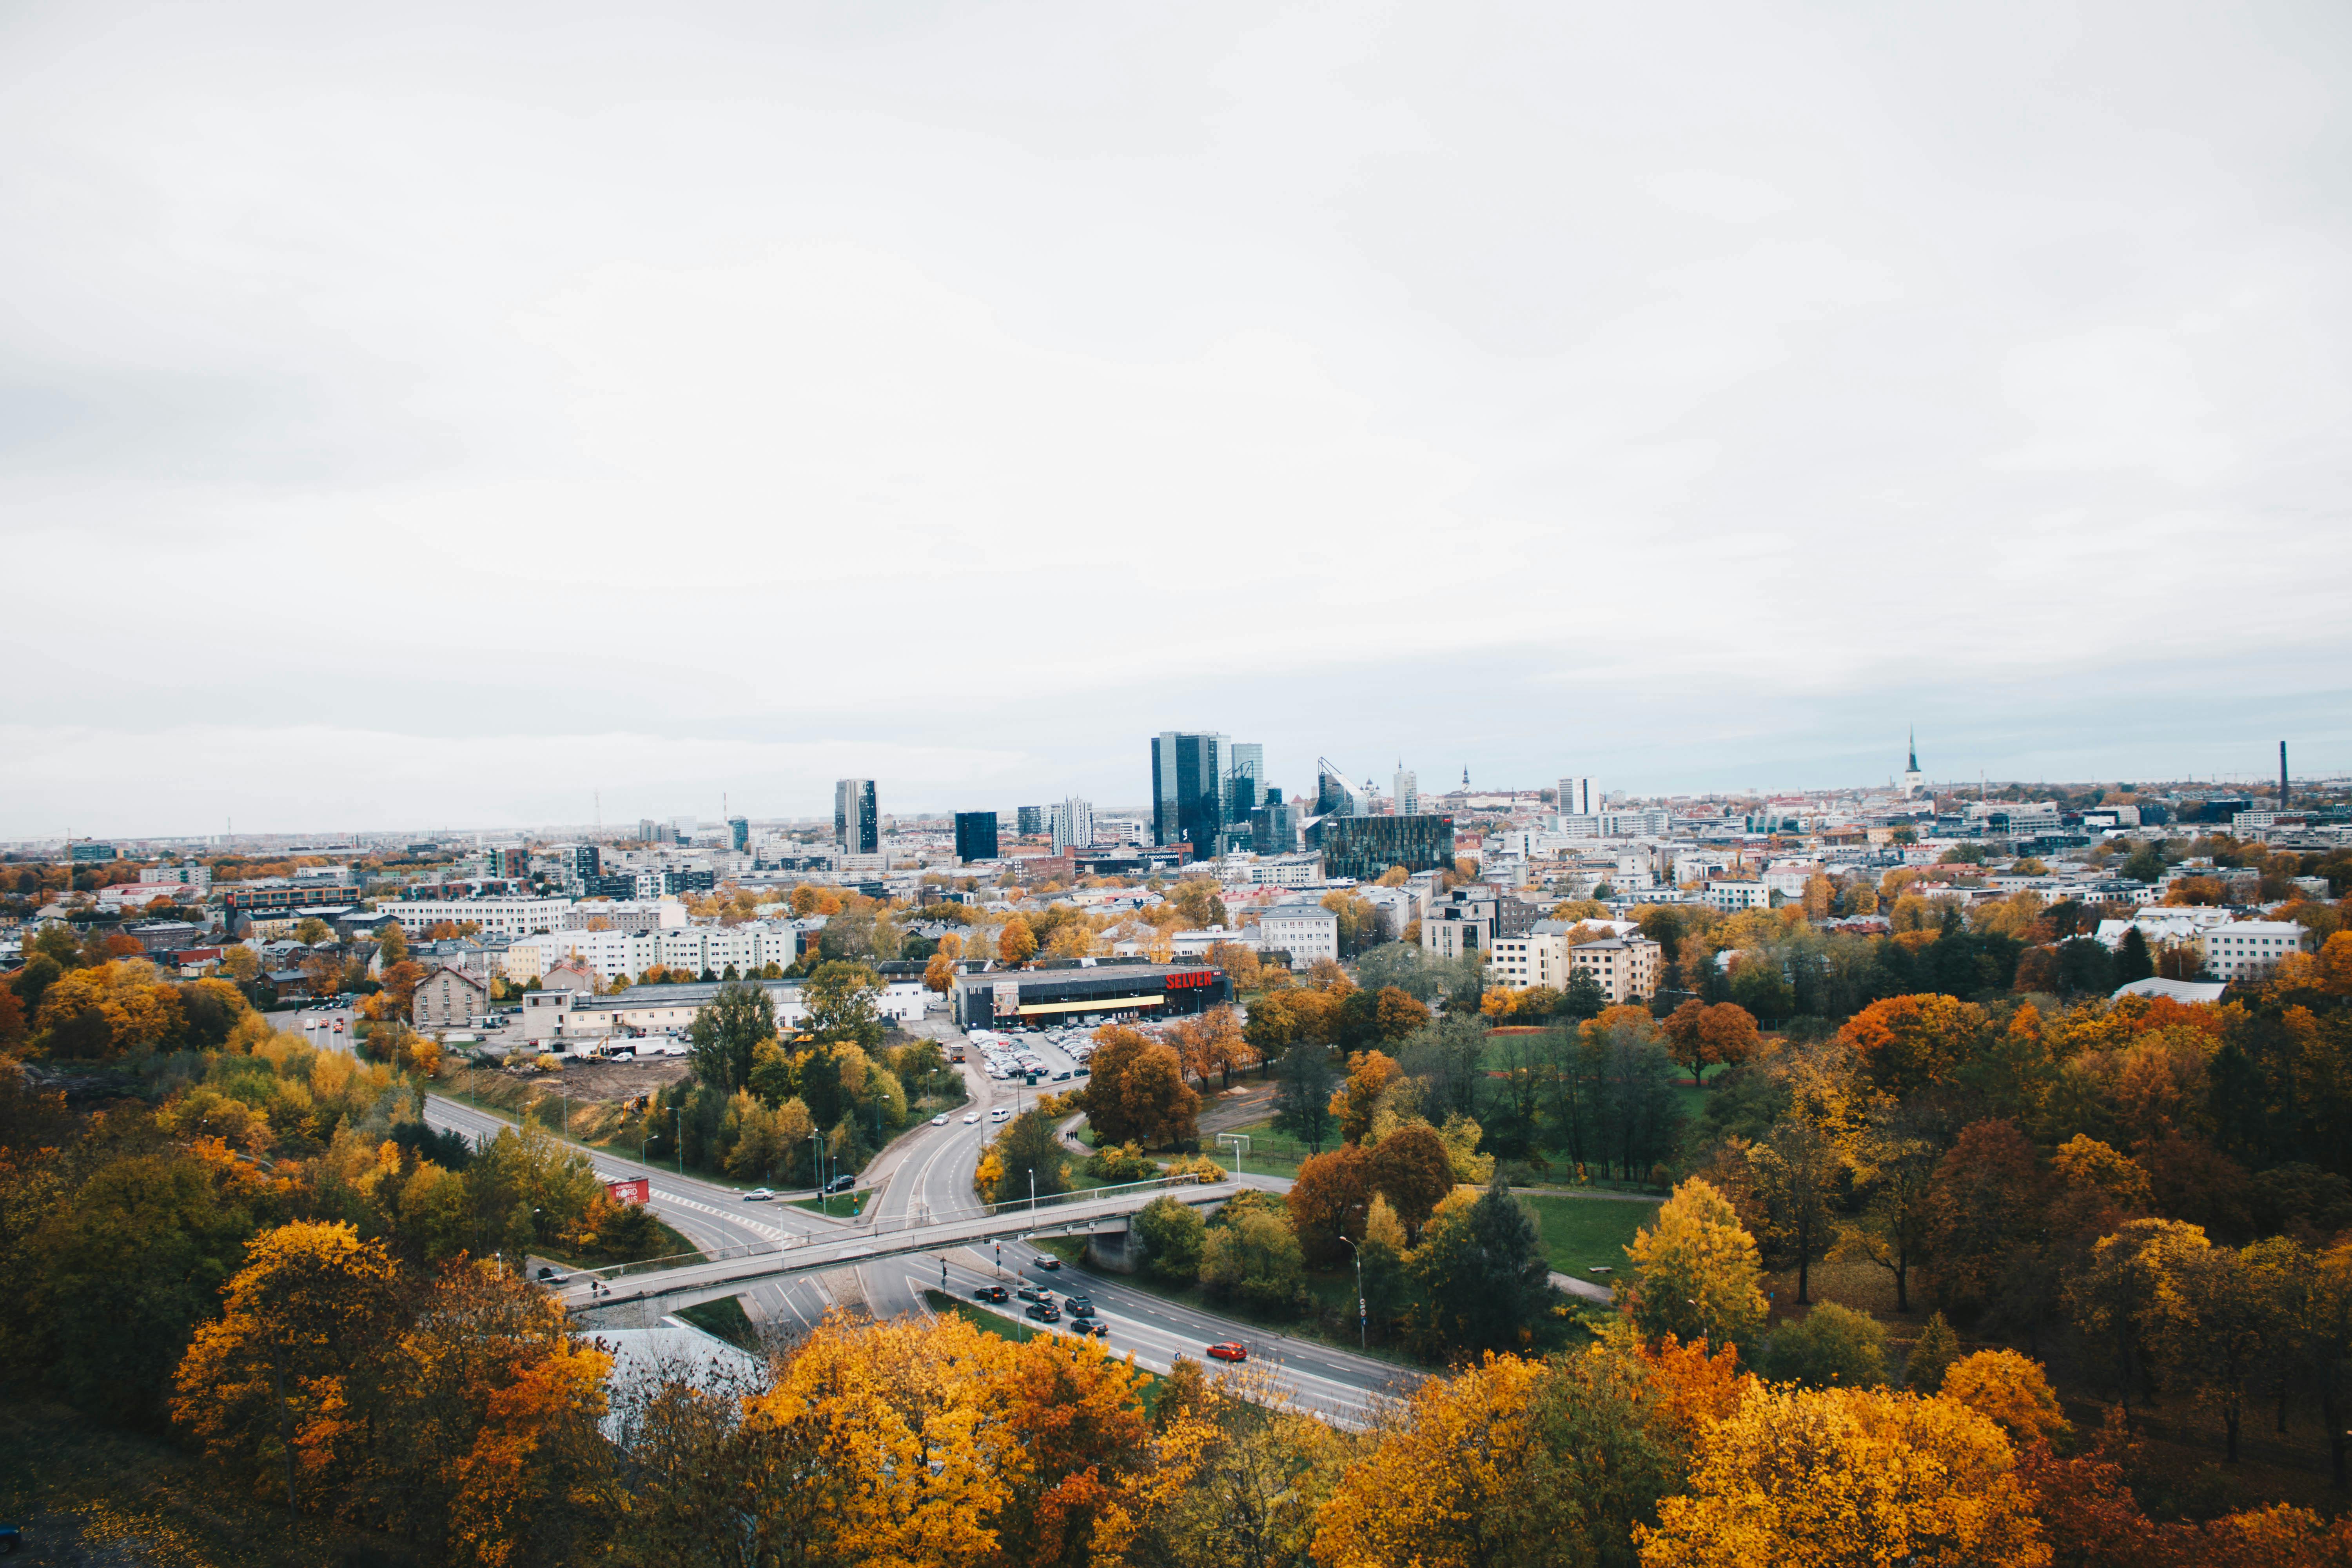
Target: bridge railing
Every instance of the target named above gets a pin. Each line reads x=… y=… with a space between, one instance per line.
x=1041 y=1206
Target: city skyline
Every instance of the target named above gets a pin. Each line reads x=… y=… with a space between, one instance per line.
x=1933 y=374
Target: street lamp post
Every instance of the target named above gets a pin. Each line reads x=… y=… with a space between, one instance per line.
x=1033 y=1192
x=817 y=1168
x=678 y=1132
x=1363 y=1334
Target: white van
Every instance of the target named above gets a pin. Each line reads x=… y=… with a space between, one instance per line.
x=1002 y=1113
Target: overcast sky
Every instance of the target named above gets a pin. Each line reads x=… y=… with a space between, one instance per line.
x=428 y=415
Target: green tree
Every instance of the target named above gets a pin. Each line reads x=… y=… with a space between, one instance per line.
x=840 y=998
x=1603 y=1448
x=1172 y=1236
x=1931 y=1356
x=2133 y=961
x=1800 y=1167
x=1829 y=1347
x=1696 y=1273
x=726 y=1031
x=1028 y=1147
x=1484 y=1272
x=1253 y=1258
x=1303 y=1082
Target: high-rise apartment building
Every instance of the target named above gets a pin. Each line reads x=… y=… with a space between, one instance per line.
x=1073 y=825
x=856 y=822
x=1187 y=789
x=1405 y=792
x=739 y=834
x=975 y=835
x=1029 y=821
x=1578 y=797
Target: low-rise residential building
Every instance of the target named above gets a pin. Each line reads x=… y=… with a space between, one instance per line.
x=449 y=998
x=1731 y=895
x=2244 y=950
x=496 y=916
x=1305 y=932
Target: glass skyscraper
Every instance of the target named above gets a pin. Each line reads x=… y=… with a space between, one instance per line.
x=975 y=835
x=1364 y=847
x=1187 y=789
x=856 y=824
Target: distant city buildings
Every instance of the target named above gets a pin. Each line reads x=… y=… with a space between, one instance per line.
x=1364 y=847
x=1074 y=825
x=1578 y=798
x=1029 y=821
x=1405 y=792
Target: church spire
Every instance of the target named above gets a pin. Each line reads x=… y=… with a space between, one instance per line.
x=1915 y=748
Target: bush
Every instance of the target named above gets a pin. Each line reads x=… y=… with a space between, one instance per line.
x=1256 y=1260
x=1937 y=1350
x=1198 y=1165
x=1121 y=1162
x=1830 y=1347
x=1171 y=1234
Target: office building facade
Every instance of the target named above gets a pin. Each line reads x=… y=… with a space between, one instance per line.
x=857 y=822
x=975 y=835
x=1188 y=790
x=1029 y=821
x=1405 y=793
x=739 y=834
x=1364 y=847
x=1578 y=797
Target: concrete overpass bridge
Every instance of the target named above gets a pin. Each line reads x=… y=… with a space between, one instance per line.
x=678 y=1283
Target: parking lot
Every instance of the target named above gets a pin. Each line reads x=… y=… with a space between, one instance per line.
x=1049 y=1058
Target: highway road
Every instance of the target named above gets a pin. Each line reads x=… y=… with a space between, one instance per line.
x=926 y=1176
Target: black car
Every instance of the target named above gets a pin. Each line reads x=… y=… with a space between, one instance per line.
x=1046 y=1312
x=551 y=1276
x=1079 y=1307
x=989 y=1293
x=841 y=1183
x=1101 y=1330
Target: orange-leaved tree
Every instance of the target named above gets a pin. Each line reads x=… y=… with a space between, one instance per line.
x=273 y=1386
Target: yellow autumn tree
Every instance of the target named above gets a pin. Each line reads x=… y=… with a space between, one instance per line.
x=267 y=1387
x=1016 y=944
x=1848 y=1477
x=2009 y=1389
x=1436 y=1492
x=1696 y=1273
x=882 y=1448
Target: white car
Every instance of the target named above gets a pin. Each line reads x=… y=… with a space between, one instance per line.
x=759 y=1195
x=940 y=1120
x=970 y=1117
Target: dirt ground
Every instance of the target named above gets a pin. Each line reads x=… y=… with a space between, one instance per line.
x=592 y=1082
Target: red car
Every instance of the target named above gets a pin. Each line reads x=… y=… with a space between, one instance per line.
x=1229 y=1352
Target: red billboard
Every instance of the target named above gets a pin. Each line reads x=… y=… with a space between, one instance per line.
x=637 y=1191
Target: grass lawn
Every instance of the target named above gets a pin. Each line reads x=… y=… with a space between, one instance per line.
x=1271 y=1154
x=1578 y=1233
x=727 y=1320
x=840 y=1205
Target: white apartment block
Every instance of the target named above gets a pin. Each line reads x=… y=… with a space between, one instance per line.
x=747 y=948
x=2246 y=949
x=509 y=917
x=185 y=876
x=1732 y=896
x=609 y=955
x=1539 y=958
x=1626 y=966
x=1305 y=932
x=659 y=913
x=1578 y=797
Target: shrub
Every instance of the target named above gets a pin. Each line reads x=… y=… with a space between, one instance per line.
x=1938 y=1348
x=1118 y=1162
x=1830 y=1347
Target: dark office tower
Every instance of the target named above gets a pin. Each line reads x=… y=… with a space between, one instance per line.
x=2282 y=805
x=587 y=861
x=857 y=825
x=1029 y=821
x=739 y=834
x=976 y=835
x=1365 y=846
x=1187 y=789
